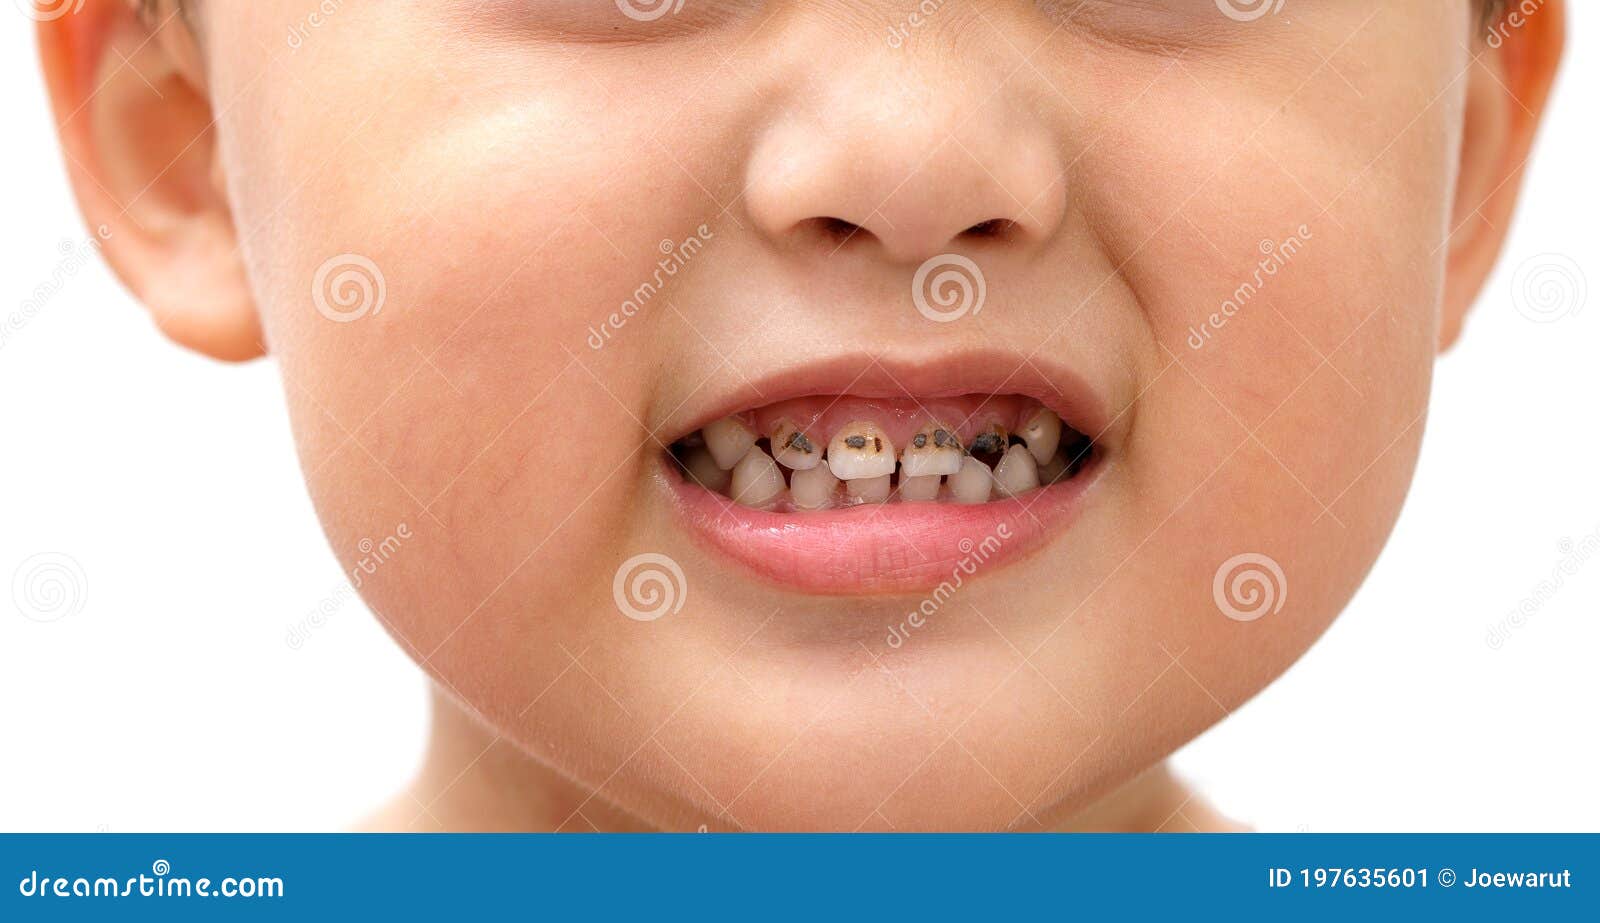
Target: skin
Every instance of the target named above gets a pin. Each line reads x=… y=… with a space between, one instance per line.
x=511 y=171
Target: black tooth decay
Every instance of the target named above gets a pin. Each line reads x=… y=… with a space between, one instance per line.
x=799 y=441
x=856 y=442
x=920 y=440
x=988 y=444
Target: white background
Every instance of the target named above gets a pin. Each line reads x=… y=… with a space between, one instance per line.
x=172 y=702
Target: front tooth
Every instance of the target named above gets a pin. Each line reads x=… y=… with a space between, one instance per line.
x=728 y=439
x=813 y=488
x=1042 y=433
x=1017 y=472
x=868 y=490
x=972 y=483
x=1052 y=470
x=703 y=470
x=917 y=489
x=933 y=451
x=991 y=441
x=861 y=450
x=793 y=449
x=756 y=480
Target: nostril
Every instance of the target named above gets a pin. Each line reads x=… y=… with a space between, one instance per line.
x=993 y=228
x=838 y=228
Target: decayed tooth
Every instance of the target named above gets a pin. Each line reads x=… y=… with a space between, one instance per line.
x=756 y=480
x=1042 y=433
x=793 y=449
x=933 y=451
x=703 y=470
x=813 y=488
x=868 y=490
x=861 y=450
x=1016 y=472
x=972 y=483
x=991 y=441
x=918 y=489
x=728 y=440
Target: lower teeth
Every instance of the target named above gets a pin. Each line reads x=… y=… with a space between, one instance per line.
x=725 y=459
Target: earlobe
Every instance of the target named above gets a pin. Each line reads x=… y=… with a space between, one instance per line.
x=1509 y=82
x=138 y=134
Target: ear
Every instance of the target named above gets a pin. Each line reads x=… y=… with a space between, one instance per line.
x=129 y=96
x=1516 y=57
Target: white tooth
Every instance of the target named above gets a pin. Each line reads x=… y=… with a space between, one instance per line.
x=972 y=483
x=933 y=451
x=868 y=490
x=756 y=480
x=728 y=439
x=918 y=489
x=1053 y=469
x=703 y=470
x=793 y=449
x=861 y=450
x=813 y=488
x=1042 y=433
x=1017 y=472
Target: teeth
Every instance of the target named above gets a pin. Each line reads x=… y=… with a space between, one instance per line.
x=868 y=490
x=1017 y=472
x=793 y=449
x=813 y=488
x=919 y=489
x=703 y=470
x=991 y=441
x=861 y=450
x=1042 y=433
x=972 y=483
x=728 y=439
x=756 y=480
x=1052 y=470
x=933 y=451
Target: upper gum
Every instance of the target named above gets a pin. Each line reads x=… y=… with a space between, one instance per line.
x=820 y=417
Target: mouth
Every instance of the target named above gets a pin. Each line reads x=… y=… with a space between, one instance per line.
x=877 y=477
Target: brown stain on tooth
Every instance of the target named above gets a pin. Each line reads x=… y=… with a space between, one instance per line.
x=856 y=442
x=920 y=440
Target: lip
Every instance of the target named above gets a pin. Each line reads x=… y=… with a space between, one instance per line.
x=893 y=548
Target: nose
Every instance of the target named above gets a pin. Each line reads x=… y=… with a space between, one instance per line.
x=910 y=153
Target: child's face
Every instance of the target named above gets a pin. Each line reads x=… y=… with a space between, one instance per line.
x=1220 y=245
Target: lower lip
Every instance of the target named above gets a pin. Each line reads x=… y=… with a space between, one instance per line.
x=889 y=548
